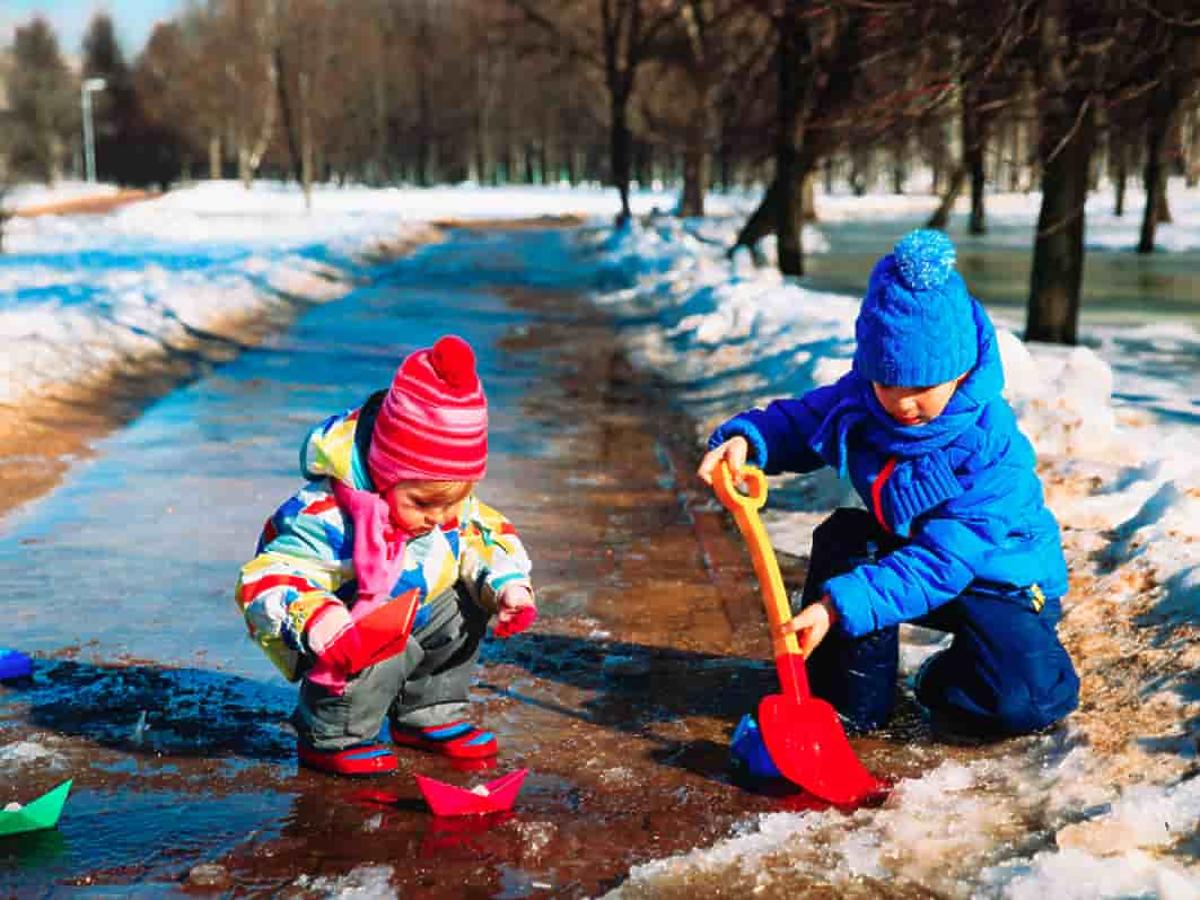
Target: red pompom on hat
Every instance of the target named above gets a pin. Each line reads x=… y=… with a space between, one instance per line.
x=433 y=423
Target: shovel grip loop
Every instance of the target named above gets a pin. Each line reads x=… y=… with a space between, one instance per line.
x=755 y=482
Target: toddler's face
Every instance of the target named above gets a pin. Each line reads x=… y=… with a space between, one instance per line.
x=418 y=507
x=915 y=405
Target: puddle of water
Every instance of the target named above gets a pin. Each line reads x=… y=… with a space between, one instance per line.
x=129 y=837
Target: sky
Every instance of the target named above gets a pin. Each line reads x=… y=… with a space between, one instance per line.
x=134 y=19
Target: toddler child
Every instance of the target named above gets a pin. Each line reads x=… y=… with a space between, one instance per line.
x=955 y=536
x=373 y=584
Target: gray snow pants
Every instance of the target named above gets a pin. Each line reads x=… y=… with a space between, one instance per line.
x=425 y=685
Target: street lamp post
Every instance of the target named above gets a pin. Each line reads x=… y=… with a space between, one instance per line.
x=89 y=86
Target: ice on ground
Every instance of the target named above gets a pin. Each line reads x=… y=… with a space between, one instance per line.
x=26 y=752
x=360 y=882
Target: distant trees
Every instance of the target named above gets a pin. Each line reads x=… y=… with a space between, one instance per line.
x=131 y=148
x=970 y=96
x=44 y=111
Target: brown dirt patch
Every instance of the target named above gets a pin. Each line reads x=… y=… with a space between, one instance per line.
x=86 y=205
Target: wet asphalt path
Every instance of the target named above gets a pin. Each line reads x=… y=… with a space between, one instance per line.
x=620 y=701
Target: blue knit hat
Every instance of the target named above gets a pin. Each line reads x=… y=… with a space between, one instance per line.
x=916 y=326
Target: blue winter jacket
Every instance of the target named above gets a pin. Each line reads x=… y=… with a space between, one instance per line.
x=962 y=488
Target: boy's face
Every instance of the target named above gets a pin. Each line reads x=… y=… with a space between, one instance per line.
x=418 y=507
x=915 y=405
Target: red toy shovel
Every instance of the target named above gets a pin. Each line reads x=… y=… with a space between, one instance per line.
x=449 y=800
x=803 y=734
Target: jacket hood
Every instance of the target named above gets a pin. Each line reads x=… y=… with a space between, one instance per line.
x=337 y=447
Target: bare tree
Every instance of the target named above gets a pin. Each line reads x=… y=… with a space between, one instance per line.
x=1178 y=67
x=817 y=66
x=1089 y=53
x=618 y=40
x=1068 y=65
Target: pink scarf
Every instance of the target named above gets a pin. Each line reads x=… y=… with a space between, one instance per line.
x=378 y=547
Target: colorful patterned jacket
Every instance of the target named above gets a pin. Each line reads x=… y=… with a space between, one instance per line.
x=304 y=556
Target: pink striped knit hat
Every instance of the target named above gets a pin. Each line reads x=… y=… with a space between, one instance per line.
x=433 y=423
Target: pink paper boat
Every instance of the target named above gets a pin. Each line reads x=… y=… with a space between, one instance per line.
x=449 y=800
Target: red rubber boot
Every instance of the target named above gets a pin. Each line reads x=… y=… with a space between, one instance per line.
x=459 y=739
x=361 y=760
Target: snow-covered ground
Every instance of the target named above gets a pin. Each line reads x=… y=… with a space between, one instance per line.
x=82 y=294
x=1101 y=810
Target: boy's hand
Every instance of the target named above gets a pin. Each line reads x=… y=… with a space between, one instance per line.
x=812 y=624
x=733 y=451
x=515 y=610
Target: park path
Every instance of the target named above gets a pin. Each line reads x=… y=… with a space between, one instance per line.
x=620 y=701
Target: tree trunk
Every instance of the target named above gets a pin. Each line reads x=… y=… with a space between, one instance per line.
x=1016 y=152
x=214 y=157
x=799 y=150
x=1118 y=162
x=974 y=140
x=245 y=172
x=250 y=157
x=1154 y=181
x=761 y=222
x=287 y=116
x=808 y=198
x=643 y=164
x=307 y=161
x=899 y=168
x=1164 y=105
x=1065 y=149
x=1191 y=149
x=620 y=140
x=942 y=214
x=1057 y=276
x=788 y=210
x=697 y=158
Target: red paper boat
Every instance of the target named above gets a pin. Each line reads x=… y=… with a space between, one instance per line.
x=449 y=800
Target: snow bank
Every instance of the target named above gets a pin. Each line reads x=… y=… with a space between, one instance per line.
x=84 y=295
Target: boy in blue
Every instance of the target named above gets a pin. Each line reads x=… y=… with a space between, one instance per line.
x=956 y=535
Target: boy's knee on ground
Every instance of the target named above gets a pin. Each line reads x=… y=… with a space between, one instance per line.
x=1020 y=701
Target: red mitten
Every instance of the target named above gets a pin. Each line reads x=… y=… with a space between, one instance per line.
x=520 y=620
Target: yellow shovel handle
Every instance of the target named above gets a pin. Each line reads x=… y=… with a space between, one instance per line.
x=745 y=507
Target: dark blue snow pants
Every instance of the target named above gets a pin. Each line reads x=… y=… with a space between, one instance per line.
x=1004 y=673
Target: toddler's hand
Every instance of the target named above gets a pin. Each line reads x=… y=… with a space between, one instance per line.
x=733 y=452
x=812 y=624
x=515 y=610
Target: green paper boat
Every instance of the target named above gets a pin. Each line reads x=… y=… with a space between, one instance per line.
x=37 y=814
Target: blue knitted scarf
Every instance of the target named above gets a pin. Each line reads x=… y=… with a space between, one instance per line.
x=923 y=477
